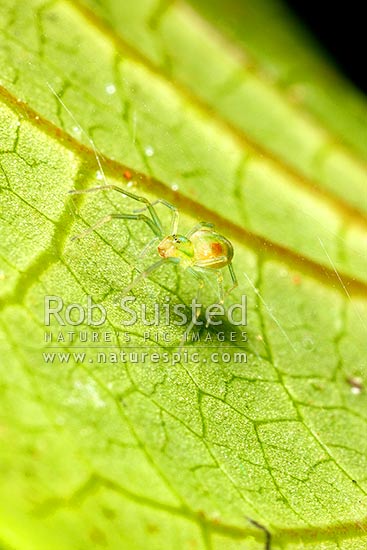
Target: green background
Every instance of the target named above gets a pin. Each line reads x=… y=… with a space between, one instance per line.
x=229 y=111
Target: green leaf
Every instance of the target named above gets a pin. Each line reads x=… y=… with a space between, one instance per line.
x=254 y=132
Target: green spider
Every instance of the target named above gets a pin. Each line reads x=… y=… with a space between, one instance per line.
x=200 y=251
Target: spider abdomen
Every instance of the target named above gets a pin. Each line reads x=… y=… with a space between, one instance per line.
x=211 y=249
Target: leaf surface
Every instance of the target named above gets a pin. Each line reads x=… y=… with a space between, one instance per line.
x=214 y=455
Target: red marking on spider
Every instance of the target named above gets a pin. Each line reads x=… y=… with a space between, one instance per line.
x=127 y=174
x=217 y=249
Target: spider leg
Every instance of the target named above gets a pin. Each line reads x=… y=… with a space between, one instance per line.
x=144 y=274
x=210 y=262
x=234 y=280
x=126 y=193
x=220 y=293
x=201 y=280
x=148 y=247
x=174 y=210
x=110 y=217
x=220 y=287
x=197 y=227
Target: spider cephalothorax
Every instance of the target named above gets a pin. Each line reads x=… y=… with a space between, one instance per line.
x=177 y=246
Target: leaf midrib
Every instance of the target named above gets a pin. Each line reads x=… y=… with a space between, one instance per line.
x=124 y=48
x=261 y=245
